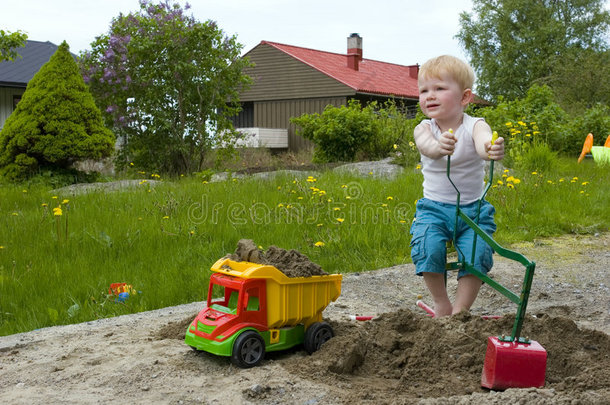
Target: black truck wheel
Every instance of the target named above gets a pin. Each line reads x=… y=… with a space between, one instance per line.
x=316 y=335
x=248 y=349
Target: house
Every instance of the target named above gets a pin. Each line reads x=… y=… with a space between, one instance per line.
x=15 y=75
x=289 y=81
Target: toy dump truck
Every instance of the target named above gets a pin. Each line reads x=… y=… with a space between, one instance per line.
x=253 y=308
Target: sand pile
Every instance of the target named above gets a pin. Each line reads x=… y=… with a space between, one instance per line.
x=290 y=262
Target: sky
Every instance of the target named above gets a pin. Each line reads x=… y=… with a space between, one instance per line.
x=405 y=32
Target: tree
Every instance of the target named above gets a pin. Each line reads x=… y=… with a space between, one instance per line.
x=9 y=42
x=514 y=43
x=167 y=84
x=55 y=124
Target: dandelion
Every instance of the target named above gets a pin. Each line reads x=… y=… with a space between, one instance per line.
x=131 y=164
x=500 y=182
x=370 y=173
x=15 y=214
x=418 y=167
x=143 y=182
x=166 y=217
x=402 y=221
x=64 y=202
x=340 y=220
x=347 y=197
x=279 y=187
x=280 y=205
x=45 y=205
x=319 y=244
x=510 y=185
x=311 y=179
x=509 y=124
x=395 y=146
x=390 y=198
x=1 y=247
x=550 y=182
x=516 y=181
x=561 y=180
x=299 y=198
x=534 y=173
x=584 y=183
x=506 y=171
x=204 y=182
x=523 y=124
x=344 y=186
x=25 y=191
x=54 y=197
x=319 y=225
x=384 y=205
x=57 y=211
x=191 y=232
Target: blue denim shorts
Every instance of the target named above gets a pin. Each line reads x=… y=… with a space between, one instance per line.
x=434 y=225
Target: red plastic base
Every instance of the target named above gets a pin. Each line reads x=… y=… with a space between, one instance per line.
x=513 y=365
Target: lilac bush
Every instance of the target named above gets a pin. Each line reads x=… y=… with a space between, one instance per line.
x=167 y=85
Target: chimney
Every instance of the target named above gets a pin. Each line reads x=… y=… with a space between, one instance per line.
x=354 y=51
x=413 y=71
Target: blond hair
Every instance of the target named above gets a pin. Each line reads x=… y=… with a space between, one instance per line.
x=459 y=70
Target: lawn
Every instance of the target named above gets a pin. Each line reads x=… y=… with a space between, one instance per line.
x=56 y=265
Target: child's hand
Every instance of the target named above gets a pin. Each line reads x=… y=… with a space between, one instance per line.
x=495 y=150
x=447 y=143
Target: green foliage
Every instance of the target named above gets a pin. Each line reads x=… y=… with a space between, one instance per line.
x=55 y=124
x=515 y=43
x=538 y=156
x=346 y=133
x=406 y=152
x=167 y=84
x=595 y=120
x=9 y=42
x=536 y=108
x=580 y=81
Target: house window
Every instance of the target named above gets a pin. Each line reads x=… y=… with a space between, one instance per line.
x=16 y=100
x=245 y=118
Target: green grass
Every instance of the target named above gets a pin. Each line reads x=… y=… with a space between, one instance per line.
x=163 y=239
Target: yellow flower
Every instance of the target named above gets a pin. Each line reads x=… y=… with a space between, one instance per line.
x=1 y=247
x=561 y=180
x=390 y=198
x=534 y=173
x=299 y=198
x=65 y=202
x=166 y=217
x=509 y=185
x=510 y=178
x=347 y=197
x=384 y=205
x=584 y=183
x=319 y=225
x=336 y=209
x=191 y=233
x=395 y=146
x=550 y=182
x=574 y=178
x=418 y=167
x=523 y=124
x=280 y=205
x=516 y=181
x=509 y=124
x=25 y=191
x=319 y=244
x=279 y=187
x=14 y=214
x=45 y=205
x=131 y=164
x=204 y=182
x=370 y=173
x=54 y=197
x=311 y=179
x=340 y=220
x=506 y=170
x=402 y=221
x=344 y=186
x=500 y=182
x=57 y=211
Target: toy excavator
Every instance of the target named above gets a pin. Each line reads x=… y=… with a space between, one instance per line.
x=601 y=154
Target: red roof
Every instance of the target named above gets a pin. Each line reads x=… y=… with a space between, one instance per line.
x=371 y=77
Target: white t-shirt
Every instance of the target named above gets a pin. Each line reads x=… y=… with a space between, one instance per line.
x=467 y=167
